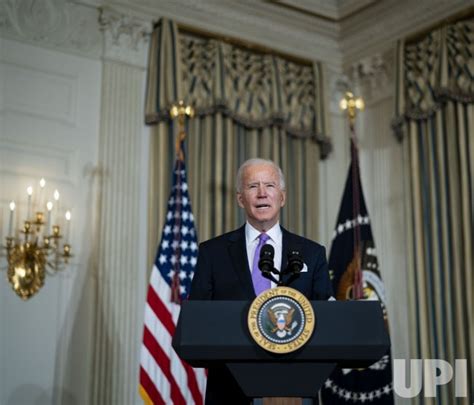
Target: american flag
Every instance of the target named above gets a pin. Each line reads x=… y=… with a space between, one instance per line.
x=164 y=377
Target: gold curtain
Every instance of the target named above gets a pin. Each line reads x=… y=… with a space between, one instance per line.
x=247 y=105
x=435 y=102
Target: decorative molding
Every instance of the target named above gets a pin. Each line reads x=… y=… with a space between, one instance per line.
x=52 y=23
x=18 y=82
x=371 y=77
x=23 y=160
x=369 y=26
x=126 y=37
x=267 y=24
x=330 y=9
x=379 y=27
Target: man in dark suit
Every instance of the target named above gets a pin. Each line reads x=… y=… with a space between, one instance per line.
x=226 y=267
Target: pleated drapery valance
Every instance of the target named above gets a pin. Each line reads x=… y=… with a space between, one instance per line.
x=256 y=90
x=433 y=70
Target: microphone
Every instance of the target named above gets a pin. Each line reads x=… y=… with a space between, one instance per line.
x=265 y=264
x=295 y=263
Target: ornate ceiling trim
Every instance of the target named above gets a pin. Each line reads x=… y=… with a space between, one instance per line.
x=253 y=21
x=377 y=30
x=52 y=23
x=126 y=38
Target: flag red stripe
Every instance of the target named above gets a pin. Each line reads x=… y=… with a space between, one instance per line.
x=161 y=311
x=192 y=383
x=150 y=388
x=165 y=317
x=164 y=363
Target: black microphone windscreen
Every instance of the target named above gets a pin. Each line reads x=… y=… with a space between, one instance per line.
x=267 y=251
x=295 y=261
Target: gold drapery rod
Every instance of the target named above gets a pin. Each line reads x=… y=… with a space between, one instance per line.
x=253 y=46
x=462 y=15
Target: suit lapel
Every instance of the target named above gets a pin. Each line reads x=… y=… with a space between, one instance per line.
x=284 y=248
x=238 y=254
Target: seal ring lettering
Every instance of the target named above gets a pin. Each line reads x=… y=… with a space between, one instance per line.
x=281 y=320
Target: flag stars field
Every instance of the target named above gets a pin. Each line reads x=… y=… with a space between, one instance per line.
x=162 y=259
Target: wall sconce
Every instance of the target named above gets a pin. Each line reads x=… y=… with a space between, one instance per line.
x=36 y=248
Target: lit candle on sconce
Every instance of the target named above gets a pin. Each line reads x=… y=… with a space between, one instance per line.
x=42 y=184
x=56 y=198
x=29 y=191
x=10 y=224
x=49 y=206
x=68 y=225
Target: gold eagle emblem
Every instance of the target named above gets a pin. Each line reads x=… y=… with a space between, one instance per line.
x=281 y=320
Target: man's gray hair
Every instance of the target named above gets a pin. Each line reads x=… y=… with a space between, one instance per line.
x=254 y=162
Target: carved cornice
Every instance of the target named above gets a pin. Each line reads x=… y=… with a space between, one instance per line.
x=378 y=28
x=372 y=77
x=52 y=23
x=126 y=37
x=255 y=21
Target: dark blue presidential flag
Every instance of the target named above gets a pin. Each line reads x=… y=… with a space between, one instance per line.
x=355 y=274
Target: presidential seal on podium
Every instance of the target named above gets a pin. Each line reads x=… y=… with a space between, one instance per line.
x=281 y=320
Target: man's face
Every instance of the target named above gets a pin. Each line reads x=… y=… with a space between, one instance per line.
x=261 y=196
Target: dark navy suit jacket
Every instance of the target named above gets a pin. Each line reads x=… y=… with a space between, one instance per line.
x=222 y=273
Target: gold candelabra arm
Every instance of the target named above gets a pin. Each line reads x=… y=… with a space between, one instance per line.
x=67 y=252
x=47 y=243
x=27 y=229
x=10 y=243
x=39 y=221
x=56 y=233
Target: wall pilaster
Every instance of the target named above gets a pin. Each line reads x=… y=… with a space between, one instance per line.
x=118 y=328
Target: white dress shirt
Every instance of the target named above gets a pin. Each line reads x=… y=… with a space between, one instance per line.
x=276 y=240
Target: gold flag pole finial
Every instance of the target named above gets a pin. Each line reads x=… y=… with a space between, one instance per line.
x=180 y=111
x=351 y=104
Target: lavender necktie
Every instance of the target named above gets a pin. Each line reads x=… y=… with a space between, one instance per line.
x=260 y=283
